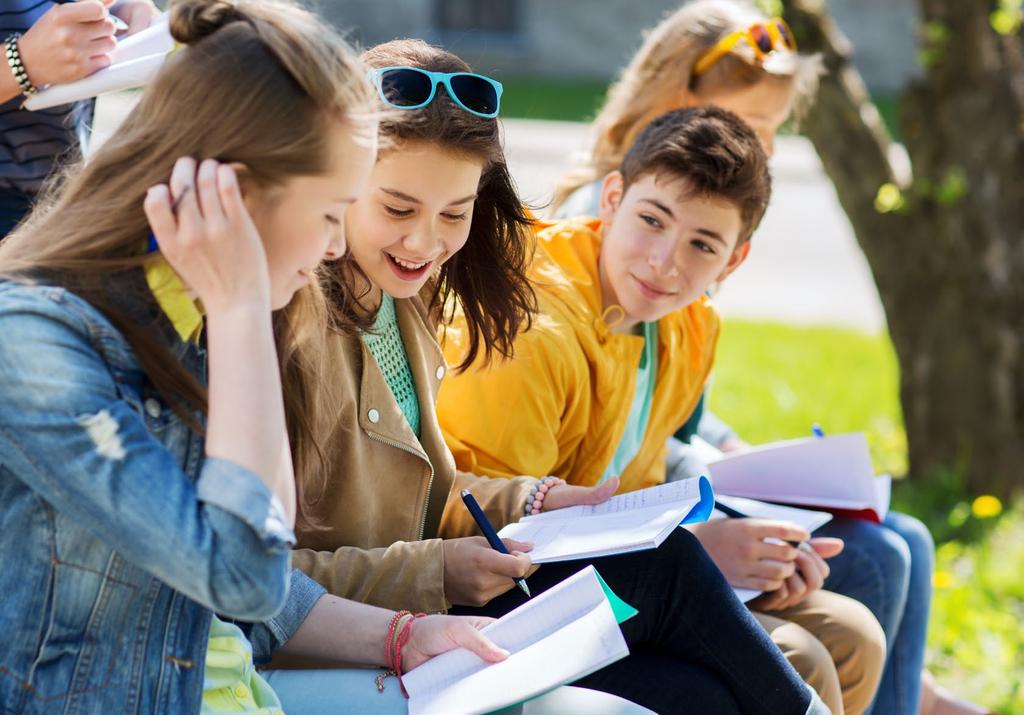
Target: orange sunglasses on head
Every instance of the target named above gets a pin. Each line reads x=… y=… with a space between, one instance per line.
x=764 y=38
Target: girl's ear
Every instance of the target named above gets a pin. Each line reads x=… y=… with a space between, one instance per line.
x=252 y=194
x=735 y=261
x=611 y=196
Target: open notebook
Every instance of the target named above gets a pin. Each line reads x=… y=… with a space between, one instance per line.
x=633 y=521
x=806 y=518
x=832 y=473
x=559 y=636
x=134 y=62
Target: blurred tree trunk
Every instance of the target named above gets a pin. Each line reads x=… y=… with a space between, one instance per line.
x=946 y=245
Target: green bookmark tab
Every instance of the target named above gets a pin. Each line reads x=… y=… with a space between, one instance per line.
x=620 y=609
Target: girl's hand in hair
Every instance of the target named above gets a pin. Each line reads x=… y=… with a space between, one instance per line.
x=435 y=635
x=205 y=232
x=564 y=495
x=70 y=41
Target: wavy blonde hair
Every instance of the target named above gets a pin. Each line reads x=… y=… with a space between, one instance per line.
x=661 y=72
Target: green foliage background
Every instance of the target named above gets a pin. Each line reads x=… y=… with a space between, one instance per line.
x=773 y=381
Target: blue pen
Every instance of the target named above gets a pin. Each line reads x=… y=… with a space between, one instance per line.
x=817 y=431
x=490 y=534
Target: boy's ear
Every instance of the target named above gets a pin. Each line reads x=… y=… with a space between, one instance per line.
x=611 y=196
x=735 y=261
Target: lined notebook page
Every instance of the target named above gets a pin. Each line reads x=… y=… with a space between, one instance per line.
x=568 y=539
x=681 y=491
x=628 y=522
x=559 y=636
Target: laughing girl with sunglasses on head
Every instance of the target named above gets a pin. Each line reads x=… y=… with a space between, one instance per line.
x=727 y=53
x=382 y=522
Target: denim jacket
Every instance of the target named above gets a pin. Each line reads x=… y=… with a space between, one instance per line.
x=117 y=536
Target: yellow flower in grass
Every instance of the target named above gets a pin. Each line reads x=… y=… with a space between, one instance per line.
x=986 y=506
x=942 y=579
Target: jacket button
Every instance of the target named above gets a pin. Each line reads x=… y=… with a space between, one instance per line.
x=440 y=372
x=241 y=692
x=373 y=416
x=152 y=408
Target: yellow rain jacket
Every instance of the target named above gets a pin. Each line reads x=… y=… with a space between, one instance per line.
x=560 y=405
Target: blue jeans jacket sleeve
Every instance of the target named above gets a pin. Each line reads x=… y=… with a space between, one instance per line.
x=266 y=637
x=67 y=431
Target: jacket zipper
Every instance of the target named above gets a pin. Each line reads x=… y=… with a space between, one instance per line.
x=430 y=481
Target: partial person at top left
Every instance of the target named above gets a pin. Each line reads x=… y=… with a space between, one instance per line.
x=48 y=42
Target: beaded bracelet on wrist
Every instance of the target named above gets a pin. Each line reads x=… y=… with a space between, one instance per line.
x=535 y=499
x=13 y=55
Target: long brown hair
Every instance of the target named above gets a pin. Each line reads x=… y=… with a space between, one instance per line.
x=661 y=71
x=486 y=280
x=257 y=82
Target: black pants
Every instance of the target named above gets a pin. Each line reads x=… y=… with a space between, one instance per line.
x=694 y=647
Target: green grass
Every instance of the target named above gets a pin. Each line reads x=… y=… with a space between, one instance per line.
x=538 y=98
x=773 y=381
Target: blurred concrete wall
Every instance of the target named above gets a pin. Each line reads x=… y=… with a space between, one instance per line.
x=594 y=38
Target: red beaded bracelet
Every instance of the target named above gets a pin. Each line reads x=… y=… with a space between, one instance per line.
x=389 y=649
x=403 y=638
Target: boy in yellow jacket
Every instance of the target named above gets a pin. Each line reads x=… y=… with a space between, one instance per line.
x=618 y=355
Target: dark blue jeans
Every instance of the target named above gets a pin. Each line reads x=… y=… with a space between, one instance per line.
x=694 y=647
x=14 y=206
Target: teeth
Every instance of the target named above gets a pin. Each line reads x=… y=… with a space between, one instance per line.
x=407 y=265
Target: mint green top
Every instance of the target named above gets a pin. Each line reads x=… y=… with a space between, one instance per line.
x=384 y=341
x=640 y=410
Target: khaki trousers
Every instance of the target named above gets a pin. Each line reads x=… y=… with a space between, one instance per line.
x=836 y=646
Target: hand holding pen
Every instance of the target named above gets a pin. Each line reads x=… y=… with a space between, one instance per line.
x=492 y=537
x=809 y=567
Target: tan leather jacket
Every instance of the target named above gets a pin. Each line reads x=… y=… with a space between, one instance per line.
x=391 y=497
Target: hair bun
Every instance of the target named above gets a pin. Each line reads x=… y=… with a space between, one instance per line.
x=192 y=20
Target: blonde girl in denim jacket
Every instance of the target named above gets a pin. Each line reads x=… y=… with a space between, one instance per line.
x=146 y=479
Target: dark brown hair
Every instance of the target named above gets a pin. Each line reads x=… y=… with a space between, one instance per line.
x=486 y=279
x=713 y=151
x=260 y=83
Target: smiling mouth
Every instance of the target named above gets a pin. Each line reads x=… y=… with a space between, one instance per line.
x=653 y=289
x=408 y=270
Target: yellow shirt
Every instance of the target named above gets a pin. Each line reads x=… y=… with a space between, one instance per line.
x=560 y=406
x=230 y=681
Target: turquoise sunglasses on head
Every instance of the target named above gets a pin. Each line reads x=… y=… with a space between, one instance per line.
x=412 y=88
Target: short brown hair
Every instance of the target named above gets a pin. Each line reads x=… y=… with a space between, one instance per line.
x=711 y=149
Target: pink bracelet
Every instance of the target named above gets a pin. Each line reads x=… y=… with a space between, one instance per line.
x=535 y=499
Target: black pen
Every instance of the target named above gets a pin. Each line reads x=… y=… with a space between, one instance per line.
x=489 y=533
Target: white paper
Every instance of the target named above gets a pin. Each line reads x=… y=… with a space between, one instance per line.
x=806 y=518
x=557 y=637
x=628 y=522
x=833 y=472
x=135 y=62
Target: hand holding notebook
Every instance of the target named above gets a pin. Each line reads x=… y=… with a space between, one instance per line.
x=133 y=63
x=633 y=521
x=559 y=636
